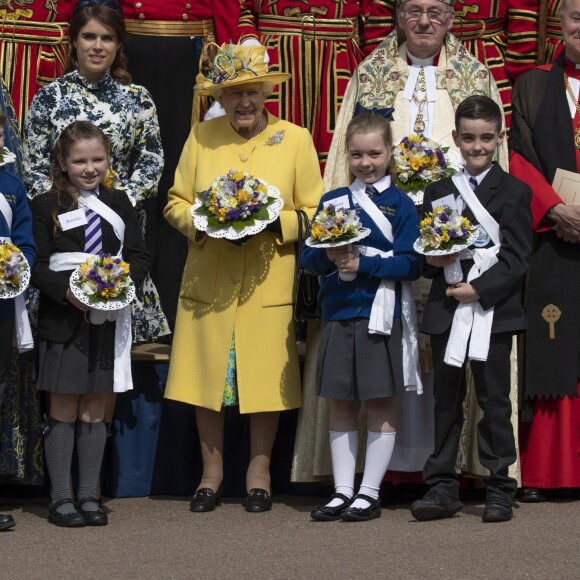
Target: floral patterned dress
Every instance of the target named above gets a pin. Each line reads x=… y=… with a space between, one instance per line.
x=127 y=115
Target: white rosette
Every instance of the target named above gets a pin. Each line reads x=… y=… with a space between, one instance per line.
x=453 y=272
x=363 y=233
x=100 y=311
x=228 y=232
x=9 y=291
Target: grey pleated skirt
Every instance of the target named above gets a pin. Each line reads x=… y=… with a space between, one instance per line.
x=82 y=365
x=354 y=365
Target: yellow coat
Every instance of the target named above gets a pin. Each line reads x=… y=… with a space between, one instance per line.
x=246 y=288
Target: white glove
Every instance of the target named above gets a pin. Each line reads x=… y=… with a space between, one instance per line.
x=215 y=110
x=254 y=42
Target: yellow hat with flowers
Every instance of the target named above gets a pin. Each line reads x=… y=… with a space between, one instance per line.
x=236 y=65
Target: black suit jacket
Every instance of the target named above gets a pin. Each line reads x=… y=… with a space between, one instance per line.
x=507 y=199
x=58 y=318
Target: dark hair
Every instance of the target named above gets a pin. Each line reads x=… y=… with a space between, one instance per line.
x=370 y=123
x=72 y=134
x=107 y=17
x=3 y=117
x=479 y=107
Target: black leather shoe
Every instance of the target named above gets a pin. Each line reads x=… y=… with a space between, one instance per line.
x=354 y=514
x=206 y=500
x=258 y=500
x=94 y=517
x=325 y=513
x=497 y=512
x=532 y=495
x=72 y=520
x=434 y=506
x=6 y=522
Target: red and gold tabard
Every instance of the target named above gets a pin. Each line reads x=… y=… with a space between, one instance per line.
x=33 y=49
x=183 y=18
x=320 y=42
x=554 y=39
x=502 y=34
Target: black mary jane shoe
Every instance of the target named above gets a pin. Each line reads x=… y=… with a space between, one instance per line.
x=71 y=520
x=325 y=513
x=532 y=495
x=206 y=499
x=96 y=517
x=258 y=500
x=6 y=522
x=356 y=514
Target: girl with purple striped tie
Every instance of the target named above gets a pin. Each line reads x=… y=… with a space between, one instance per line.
x=77 y=357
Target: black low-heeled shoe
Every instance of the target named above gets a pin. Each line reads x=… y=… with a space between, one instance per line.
x=532 y=495
x=325 y=513
x=70 y=520
x=6 y=522
x=258 y=500
x=356 y=514
x=206 y=499
x=96 y=517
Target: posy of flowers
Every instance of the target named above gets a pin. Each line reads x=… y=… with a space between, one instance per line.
x=421 y=161
x=103 y=278
x=444 y=228
x=236 y=199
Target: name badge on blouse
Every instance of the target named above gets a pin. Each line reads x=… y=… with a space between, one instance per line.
x=72 y=219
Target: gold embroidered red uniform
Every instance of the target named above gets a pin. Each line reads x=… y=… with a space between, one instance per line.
x=320 y=42
x=502 y=34
x=33 y=47
x=163 y=18
x=554 y=39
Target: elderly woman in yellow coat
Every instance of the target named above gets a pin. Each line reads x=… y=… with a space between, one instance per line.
x=234 y=319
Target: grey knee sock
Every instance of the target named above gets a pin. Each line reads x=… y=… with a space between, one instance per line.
x=58 y=449
x=90 y=448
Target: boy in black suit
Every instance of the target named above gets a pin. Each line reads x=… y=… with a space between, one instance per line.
x=479 y=315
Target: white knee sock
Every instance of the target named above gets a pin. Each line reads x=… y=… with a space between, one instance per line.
x=343 y=447
x=379 y=451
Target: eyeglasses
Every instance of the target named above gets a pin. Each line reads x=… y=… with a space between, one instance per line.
x=433 y=14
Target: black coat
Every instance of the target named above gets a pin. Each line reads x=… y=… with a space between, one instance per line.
x=507 y=199
x=58 y=318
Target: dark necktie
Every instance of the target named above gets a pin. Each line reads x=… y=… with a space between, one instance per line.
x=473 y=183
x=93 y=234
x=371 y=191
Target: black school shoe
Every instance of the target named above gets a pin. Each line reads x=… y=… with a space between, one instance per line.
x=532 y=495
x=434 y=506
x=6 y=522
x=258 y=500
x=96 y=517
x=325 y=513
x=72 y=520
x=355 y=514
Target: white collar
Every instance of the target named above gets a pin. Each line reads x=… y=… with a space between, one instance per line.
x=381 y=185
x=479 y=178
x=420 y=61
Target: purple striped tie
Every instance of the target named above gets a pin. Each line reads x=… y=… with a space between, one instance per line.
x=473 y=183
x=93 y=234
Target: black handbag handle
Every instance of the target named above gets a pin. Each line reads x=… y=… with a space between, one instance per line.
x=303 y=227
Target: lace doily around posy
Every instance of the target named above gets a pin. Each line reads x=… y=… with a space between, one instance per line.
x=22 y=285
x=365 y=232
x=229 y=232
x=112 y=304
x=418 y=247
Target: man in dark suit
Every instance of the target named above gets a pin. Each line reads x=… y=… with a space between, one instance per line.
x=499 y=206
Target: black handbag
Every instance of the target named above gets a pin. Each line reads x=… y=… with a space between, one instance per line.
x=306 y=287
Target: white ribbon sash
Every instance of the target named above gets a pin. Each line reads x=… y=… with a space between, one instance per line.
x=471 y=319
x=382 y=311
x=24 y=341
x=122 y=378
